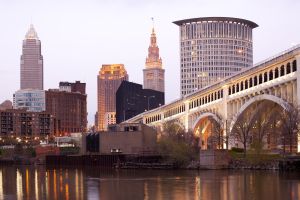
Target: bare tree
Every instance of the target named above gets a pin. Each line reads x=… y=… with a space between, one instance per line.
x=262 y=124
x=220 y=127
x=290 y=126
x=242 y=129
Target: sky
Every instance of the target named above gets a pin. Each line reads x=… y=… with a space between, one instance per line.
x=78 y=36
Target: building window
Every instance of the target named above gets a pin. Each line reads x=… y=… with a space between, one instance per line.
x=242 y=86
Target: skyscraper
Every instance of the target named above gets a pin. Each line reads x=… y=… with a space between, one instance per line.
x=154 y=74
x=109 y=79
x=31 y=62
x=212 y=48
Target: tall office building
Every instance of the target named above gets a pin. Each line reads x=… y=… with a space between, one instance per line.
x=154 y=74
x=31 y=62
x=109 y=79
x=212 y=48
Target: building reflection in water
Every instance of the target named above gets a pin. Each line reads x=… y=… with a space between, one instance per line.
x=41 y=183
x=1 y=186
x=19 y=185
x=36 y=185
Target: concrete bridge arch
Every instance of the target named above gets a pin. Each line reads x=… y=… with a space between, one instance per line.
x=258 y=98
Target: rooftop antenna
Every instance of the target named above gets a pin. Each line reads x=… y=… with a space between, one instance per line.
x=152 y=24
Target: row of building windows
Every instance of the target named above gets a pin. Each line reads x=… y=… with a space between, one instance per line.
x=209 y=49
x=215 y=42
x=216 y=29
x=263 y=77
x=211 y=70
x=228 y=63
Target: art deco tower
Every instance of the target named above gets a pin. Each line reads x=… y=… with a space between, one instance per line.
x=31 y=62
x=154 y=74
x=109 y=79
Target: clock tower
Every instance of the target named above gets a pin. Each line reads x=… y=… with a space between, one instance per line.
x=154 y=74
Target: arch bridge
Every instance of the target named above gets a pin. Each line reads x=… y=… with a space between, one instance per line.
x=276 y=79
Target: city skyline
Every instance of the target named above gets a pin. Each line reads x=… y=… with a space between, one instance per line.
x=83 y=45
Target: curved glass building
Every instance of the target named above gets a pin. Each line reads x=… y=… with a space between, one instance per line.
x=212 y=48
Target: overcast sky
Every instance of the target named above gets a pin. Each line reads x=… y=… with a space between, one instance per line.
x=79 y=36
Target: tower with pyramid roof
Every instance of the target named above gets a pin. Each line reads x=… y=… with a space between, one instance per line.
x=31 y=73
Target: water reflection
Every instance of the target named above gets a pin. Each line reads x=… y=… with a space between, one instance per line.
x=94 y=183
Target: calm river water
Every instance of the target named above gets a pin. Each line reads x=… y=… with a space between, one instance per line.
x=29 y=182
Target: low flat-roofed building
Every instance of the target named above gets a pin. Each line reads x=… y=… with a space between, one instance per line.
x=127 y=138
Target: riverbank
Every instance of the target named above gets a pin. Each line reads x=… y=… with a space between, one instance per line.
x=263 y=162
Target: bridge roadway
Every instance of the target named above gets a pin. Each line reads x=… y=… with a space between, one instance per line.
x=276 y=79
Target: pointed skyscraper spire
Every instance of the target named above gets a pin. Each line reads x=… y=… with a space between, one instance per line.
x=31 y=33
x=153 y=60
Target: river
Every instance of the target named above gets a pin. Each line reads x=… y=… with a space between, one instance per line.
x=28 y=182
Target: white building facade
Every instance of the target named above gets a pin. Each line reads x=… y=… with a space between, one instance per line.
x=32 y=100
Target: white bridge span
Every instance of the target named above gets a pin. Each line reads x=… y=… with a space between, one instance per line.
x=276 y=79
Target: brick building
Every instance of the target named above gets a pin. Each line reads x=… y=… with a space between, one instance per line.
x=69 y=109
x=19 y=122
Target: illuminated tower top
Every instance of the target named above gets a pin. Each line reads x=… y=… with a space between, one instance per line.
x=31 y=33
x=153 y=60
